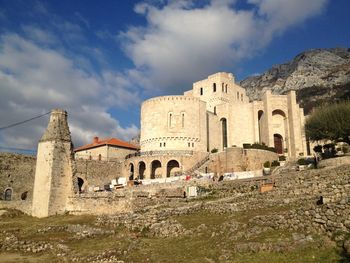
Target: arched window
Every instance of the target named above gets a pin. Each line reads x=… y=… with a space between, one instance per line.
x=131 y=171
x=201 y=91
x=214 y=87
x=224 y=132
x=226 y=88
x=8 y=194
x=80 y=184
x=222 y=87
x=99 y=157
x=260 y=116
x=183 y=119
x=170 y=121
x=142 y=168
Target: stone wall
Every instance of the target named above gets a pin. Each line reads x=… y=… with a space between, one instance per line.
x=17 y=174
x=97 y=173
x=237 y=159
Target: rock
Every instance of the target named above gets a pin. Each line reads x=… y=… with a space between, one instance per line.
x=317 y=75
x=346 y=247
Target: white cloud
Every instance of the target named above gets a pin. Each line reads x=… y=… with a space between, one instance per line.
x=34 y=80
x=38 y=35
x=181 y=41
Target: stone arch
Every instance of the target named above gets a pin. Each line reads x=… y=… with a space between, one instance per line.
x=280 y=127
x=156 y=171
x=171 y=168
x=80 y=184
x=142 y=168
x=131 y=171
x=278 y=111
x=278 y=143
x=224 y=132
x=260 y=124
x=8 y=194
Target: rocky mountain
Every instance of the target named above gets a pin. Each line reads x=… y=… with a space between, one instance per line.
x=318 y=76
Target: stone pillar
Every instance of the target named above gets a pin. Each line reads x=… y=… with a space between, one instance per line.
x=294 y=125
x=267 y=135
x=53 y=181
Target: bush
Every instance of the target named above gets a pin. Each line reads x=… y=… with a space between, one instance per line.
x=275 y=163
x=302 y=161
x=214 y=150
x=247 y=146
x=267 y=164
x=282 y=158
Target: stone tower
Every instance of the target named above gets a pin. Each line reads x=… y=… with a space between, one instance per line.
x=53 y=181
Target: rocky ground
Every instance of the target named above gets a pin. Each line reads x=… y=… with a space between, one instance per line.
x=233 y=223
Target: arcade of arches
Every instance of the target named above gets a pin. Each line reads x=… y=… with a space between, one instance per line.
x=154 y=169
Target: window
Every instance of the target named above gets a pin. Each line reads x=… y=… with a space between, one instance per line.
x=160 y=144
x=241 y=97
x=164 y=144
x=183 y=119
x=170 y=121
x=201 y=91
x=226 y=88
x=215 y=110
x=99 y=157
x=222 y=87
x=214 y=87
x=189 y=144
x=237 y=95
x=193 y=144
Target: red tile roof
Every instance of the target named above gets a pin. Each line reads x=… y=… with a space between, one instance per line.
x=107 y=141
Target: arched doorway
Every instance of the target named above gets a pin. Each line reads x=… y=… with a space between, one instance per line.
x=224 y=132
x=80 y=184
x=260 y=117
x=278 y=143
x=131 y=173
x=8 y=194
x=142 y=168
x=156 y=171
x=172 y=167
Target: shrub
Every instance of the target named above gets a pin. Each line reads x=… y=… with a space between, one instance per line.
x=302 y=161
x=214 y=150
x=282 y=158
x=247 y=146
x=275 y=163
x=318 y=149
x=267 y=164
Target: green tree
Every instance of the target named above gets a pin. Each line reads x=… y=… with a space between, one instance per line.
x=330 y=122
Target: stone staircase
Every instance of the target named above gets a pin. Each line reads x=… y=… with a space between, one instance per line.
x=194 y=169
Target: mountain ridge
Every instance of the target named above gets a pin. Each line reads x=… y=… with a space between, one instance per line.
x=317 y=75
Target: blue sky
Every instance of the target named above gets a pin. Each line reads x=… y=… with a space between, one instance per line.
x=100 y=59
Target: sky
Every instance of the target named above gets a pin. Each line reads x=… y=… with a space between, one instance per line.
x=99 y=60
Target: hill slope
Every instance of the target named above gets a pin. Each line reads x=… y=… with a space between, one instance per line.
x=318 y=75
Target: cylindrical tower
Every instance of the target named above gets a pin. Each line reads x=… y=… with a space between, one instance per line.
x=173 y=123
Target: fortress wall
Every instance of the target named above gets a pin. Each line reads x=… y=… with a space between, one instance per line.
x=17 y=173
x=173 y=123
x=98 y=173
x=238 y=159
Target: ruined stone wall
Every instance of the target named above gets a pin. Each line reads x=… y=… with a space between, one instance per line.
x=17 y=174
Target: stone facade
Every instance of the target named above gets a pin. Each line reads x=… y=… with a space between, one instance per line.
x=217 y=114
x=53 y=181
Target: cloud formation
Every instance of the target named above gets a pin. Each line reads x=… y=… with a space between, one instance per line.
x=182 y=40
x=34 y=80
